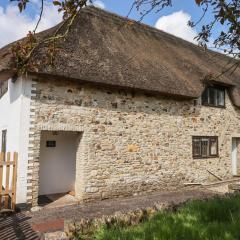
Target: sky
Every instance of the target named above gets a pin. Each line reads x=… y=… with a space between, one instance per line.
x=14 y=25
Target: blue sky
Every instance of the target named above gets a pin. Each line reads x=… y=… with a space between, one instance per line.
x=172 y=19
x=122 y=7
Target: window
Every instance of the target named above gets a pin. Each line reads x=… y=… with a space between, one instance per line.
x=3 y=87
x=4 y=142
x=214 y=96
x=205 y=147
x=51 y=144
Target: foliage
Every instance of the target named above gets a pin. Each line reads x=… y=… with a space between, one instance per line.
x=23 y=50
x=227 y=13
x=215 y=219
x=21 y=4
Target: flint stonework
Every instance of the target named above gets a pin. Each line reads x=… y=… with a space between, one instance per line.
x=143 y=144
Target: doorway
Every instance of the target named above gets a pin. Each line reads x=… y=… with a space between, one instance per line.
x=57 y=162
x=235 y=156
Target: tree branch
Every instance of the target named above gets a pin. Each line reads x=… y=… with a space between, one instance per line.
x=40 y=16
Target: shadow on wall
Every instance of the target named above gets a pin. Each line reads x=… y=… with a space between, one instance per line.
x=14 y=90
x=67 y=92
x=16 y=226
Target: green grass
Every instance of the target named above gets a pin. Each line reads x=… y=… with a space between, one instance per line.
x=216 y=219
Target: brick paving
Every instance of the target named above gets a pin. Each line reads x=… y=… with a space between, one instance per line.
x=28 y=225
x=53 y=225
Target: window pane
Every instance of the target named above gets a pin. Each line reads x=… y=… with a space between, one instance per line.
x=205 y=147
x=213 y=96
x=221 y=100
x=196 y=147
x=213 y=146
x=205 y=97
x=3 y=87
x=51 y=144
x=4 y=143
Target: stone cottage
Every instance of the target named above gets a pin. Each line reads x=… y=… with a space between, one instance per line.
x=124 y=109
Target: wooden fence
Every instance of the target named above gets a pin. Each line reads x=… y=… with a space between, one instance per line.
x=8 y=180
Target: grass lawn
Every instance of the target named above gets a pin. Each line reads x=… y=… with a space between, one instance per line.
x=213 y=219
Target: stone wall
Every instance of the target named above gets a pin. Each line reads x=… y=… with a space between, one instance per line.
x=132 y=142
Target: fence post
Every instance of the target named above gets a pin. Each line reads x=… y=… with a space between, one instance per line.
x=1 y=177
x=6 y=193
x=14 y=180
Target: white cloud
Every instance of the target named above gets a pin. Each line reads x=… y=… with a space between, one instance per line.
x=15 y=25
x=177 y=24
x=99 y=4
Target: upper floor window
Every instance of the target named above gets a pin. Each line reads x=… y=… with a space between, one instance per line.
x=214 y=96
x=3 y=87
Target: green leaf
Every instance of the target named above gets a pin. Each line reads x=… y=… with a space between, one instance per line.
x=57 y=3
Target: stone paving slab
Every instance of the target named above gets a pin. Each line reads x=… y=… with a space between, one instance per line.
x=30 y=225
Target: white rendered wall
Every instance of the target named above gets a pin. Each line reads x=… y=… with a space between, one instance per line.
x=58 y=164
x=14 y=117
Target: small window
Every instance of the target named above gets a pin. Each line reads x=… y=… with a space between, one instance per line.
x=205 y=147
x=4 y=143
x=214 y=96
x=3 y=87
x=51 y=144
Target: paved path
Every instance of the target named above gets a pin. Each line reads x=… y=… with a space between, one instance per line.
x=17 y=227
x=27 y=225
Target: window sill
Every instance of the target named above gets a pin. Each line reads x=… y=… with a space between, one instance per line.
x=213 y=106
x=215 y=156
x=2 y=94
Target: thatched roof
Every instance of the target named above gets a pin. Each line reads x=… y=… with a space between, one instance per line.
x=104 y=48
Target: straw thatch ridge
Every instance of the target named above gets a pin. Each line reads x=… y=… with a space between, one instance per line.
x=104 y=48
